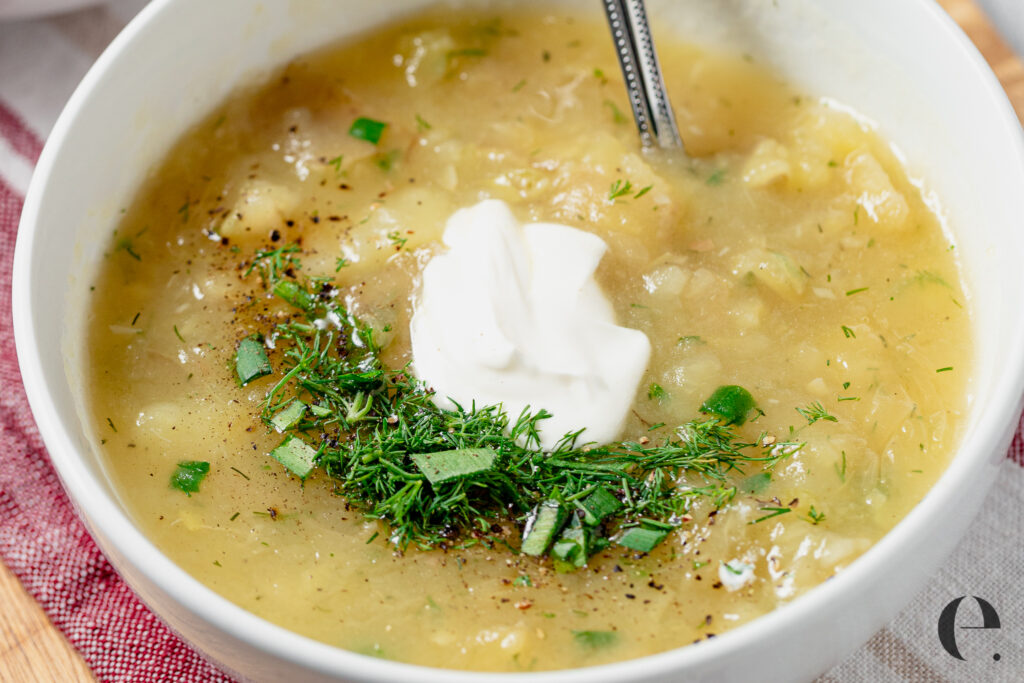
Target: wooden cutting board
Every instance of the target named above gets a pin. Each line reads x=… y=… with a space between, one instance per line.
x=31 y=649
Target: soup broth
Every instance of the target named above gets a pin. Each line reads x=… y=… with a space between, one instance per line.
x=789 y=253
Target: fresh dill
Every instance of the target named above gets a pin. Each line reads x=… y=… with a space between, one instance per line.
x=620 y=188
x=475 y=474
x=814 y=412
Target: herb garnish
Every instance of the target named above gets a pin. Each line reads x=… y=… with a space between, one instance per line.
x=444 y=477
x=188 y=475
x=367 y=129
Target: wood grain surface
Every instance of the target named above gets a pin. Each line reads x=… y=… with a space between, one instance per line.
x=31 y=649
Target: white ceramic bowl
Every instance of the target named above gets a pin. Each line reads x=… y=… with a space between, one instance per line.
x=903 y=64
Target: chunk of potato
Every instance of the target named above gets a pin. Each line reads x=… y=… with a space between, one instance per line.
x=880 y=203
x=260 y=208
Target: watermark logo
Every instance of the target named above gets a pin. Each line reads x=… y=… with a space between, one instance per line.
x=947 y=624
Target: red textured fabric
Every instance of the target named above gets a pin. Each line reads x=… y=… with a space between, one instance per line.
x=41 y=539
x=44 y=543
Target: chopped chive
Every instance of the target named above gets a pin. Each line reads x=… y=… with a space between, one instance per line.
x=598 y=505
x=294 y=294
x=945 y=369
x=443 y=466
x=296 y=455
x=234 y=517
x=367 y=129
x=856 y=291
x=188 y=475
x=543 y=523
x=641 y=539
x=251 y=361
x=288 y=416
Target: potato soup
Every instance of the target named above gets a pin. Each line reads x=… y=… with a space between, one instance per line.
x=788 y=253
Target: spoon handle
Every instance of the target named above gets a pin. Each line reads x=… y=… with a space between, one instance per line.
x=635 y=49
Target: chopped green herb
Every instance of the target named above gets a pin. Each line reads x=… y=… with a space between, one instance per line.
x=178 y=335
x=655 y=393
x=595 y=640
x=848 y=398
x=945 y=369
x=441 y=466
x=111 y=423
x=125 y=244
x=691 y=340
x=618 y=189
x=386 y=161
x=643 y=191
x=296 y=455
x=422 y=124
x=814 y=412
x=599 y=505
x=841 y=471
x=367 y=129
x=716 y=178
x=439 y=496
x=234 y=517
x=396 y=239
x=183 y=211
x=522 y=580
x=756 y=483
x=641 y=539
x=847 y=331
x=772 y=512
x=617 y=115
x=188 y=475
x=815 y=517
x=336 y=163
x=340 y=263
x=288 y=416
x=251 y=361
x=856 y=291
x=519 y=86
x=733 y=404
x=273 y=263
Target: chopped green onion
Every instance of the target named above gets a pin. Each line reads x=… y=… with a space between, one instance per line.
x=598 y=505
x=296 y=455
x=594 y=640
x=443 y=466
x=367 y=129
x=294 y=294
x=251 y=360
x=288 y=416
x=544 y=522
x=641 y=539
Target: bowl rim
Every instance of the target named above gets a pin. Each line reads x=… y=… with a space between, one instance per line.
x=104 y=514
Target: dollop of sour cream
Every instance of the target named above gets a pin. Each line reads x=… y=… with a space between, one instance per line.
x=511 y=314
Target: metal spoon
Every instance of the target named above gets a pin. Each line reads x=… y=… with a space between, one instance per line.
x=635 y=48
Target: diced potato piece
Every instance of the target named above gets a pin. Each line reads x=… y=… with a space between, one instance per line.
x=879 y=202
x=666 y=281
x=767 y=164
x=424 y=56
x=774 y=269
x=260 y=208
